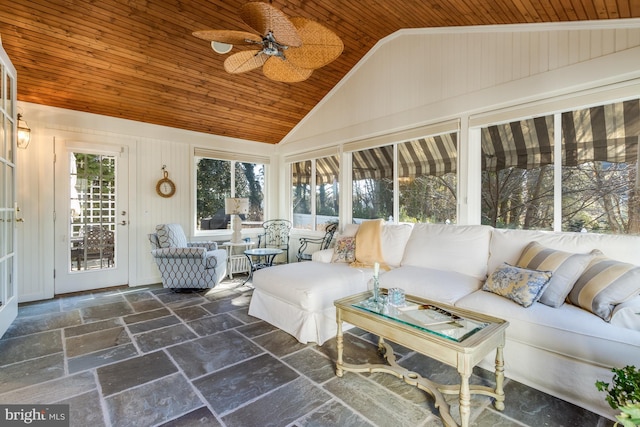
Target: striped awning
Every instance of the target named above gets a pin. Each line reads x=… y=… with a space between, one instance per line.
x=435 y=155
x=607 y=133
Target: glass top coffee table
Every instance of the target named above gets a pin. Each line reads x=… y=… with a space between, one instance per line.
x=454 y=336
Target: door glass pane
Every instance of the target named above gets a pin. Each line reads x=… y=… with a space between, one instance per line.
x=92 y=198
x=8 y=92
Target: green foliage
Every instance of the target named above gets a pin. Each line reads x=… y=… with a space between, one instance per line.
x=213 y=185
x=624 y=394
x=630 y=416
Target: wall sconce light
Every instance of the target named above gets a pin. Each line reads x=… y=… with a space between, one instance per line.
x=24 y=133
x=236 y=206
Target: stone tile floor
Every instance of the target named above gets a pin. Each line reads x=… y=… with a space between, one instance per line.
x=147 y=356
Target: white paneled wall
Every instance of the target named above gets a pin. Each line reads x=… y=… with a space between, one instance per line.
x=153 y=209
x=149 y=147
x=414 y=69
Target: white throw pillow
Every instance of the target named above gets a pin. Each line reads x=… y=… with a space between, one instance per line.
x=461 y=248
x=393 y=239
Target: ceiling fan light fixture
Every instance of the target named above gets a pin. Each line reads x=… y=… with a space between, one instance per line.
x=221 y=48
x=290 y=48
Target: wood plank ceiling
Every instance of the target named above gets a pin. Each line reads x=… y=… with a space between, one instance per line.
x=137 y=59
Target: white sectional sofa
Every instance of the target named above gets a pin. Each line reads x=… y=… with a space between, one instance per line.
x=560 y=350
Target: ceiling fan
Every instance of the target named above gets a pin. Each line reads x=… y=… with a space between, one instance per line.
x=288 y=49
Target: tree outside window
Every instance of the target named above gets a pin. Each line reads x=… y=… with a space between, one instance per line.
x=214 y=183
x=326 y=209
x=427 y=180
x=600 y=185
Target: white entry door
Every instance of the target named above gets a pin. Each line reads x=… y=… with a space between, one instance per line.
x=8 y=207
x=91 y=216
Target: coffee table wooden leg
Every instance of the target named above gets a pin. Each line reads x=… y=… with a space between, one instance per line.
x=381 y=347
x=499 y=402
x=339 y=343
x=465 y=399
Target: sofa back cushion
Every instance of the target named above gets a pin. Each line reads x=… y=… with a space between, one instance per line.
x=394 y=239
x=507 y=245
x=460 y=248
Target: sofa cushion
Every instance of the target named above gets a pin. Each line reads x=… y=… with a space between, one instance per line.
x=604 y=284
x=567 y=330
x=438 y=285
x=312 y=286
x=461 y=248
x=171 y=236
x=520 y=285
x=565 y=266
x=394 y=239
x=627 y=314
x=507 y=245
x=344 y=250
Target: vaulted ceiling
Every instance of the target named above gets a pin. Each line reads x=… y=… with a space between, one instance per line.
x=137 y=59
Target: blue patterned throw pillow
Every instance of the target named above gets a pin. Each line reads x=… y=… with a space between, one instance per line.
x=521 y=285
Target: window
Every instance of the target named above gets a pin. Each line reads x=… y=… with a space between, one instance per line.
x=599 y=186
x=372 y=183
x=427 y=181
x=215 y=182
x=321 y=207
x=517 y=174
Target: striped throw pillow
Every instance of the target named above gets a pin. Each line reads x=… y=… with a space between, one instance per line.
x=604 y=284
x=565 y=266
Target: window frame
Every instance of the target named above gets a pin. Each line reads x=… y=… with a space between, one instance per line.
x=569 y=104
x=313 y=186
x=233 y=158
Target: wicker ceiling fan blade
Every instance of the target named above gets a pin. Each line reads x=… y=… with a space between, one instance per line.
x=244 y=61
x=263 y=18
x=228 y=36
x=283 y=71
x=320 y=45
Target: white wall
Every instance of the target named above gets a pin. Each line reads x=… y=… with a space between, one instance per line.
x=422 y=76
x=150 y=147
x=474 y=75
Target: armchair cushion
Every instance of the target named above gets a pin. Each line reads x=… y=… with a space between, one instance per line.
x=171 y=235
